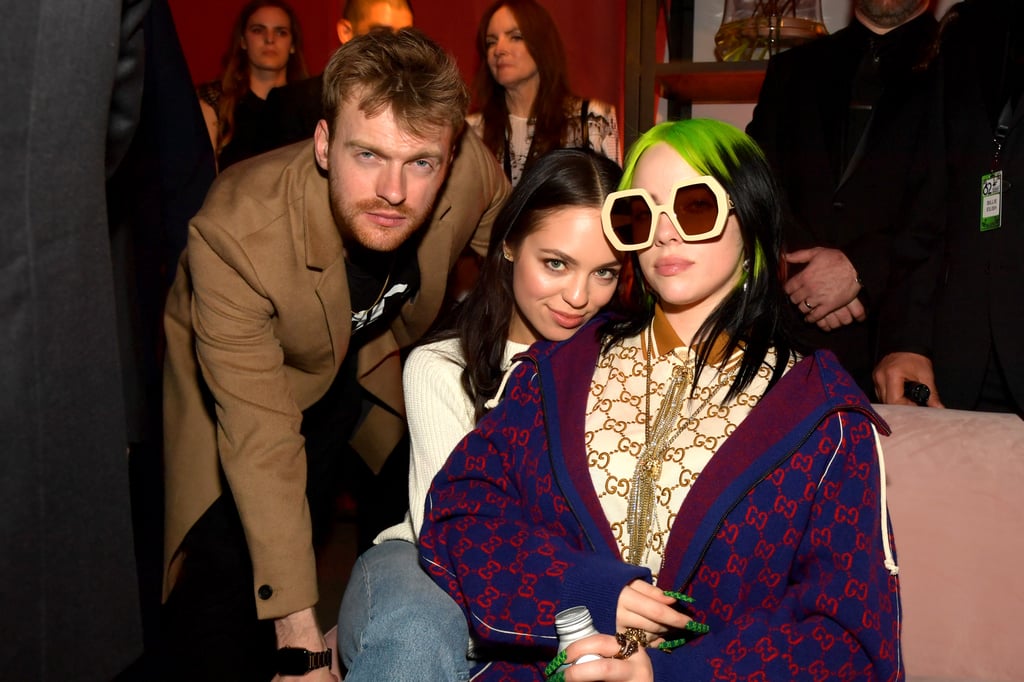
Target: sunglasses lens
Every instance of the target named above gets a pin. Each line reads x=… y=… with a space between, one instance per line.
x=696 y=209
x=631 y=219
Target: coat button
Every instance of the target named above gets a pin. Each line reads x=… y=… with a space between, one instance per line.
x=265 y=592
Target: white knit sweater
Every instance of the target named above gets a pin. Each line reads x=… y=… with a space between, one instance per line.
x=440 y=414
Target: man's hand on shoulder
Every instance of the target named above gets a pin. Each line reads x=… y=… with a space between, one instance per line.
x=841 y=316
x=301 y=630
x=826 y=285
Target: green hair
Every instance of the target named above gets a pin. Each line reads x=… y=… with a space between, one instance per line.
x=754 y=313
x=704 y=143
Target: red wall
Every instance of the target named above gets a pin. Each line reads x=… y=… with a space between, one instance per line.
x=592 y=31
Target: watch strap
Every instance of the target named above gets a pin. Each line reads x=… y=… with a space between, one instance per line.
x=298 y=661
x=319 y=659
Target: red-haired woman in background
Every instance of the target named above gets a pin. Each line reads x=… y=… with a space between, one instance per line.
x=524 y=105
x=265 y=51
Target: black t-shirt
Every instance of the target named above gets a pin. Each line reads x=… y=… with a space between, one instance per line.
x=379 y=284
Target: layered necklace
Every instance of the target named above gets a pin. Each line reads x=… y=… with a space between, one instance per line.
x=659 y=436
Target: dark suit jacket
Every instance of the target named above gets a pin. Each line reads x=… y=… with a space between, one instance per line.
x=261 y=307
x=157 y=188
x=73 y=80
x=972 y=289
x=862 y=207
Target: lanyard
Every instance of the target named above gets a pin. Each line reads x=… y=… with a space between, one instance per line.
x=992 y=182
x=1002 y=128
x=1003 y=124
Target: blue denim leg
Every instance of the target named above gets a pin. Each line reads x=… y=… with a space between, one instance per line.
x=396 y=624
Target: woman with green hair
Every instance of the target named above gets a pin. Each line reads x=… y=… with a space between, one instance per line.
x=713 y=496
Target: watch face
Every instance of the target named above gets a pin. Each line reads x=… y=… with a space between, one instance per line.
x=292 y=661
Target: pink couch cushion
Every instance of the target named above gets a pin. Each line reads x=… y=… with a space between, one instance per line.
x=956 y=497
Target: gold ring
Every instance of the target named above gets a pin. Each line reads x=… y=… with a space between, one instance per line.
x=637 y=635
x=627 y=646
x=630 y=642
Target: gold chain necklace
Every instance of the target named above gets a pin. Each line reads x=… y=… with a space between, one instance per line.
x=387 y=280
x=657 y=440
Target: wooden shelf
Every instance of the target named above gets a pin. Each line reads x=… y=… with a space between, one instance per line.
x=681 y=80
x=706 y=82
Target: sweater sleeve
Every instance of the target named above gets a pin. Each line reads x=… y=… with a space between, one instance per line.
x=258 y=437
x=501 y=538
x=838 y=614
x=439 y=415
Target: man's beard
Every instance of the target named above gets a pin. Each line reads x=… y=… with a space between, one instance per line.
x=889 y=13
x=362 y=238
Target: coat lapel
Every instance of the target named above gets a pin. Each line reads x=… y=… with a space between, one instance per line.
x=325 y=255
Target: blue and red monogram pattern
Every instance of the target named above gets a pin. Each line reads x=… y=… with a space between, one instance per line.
x=779 y=542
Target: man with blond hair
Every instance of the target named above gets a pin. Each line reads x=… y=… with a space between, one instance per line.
x=307 y=270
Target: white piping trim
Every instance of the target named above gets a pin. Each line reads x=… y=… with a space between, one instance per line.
x=839 y=444
x=480 y=620
x=553 y=638
x=890 y=562
x=434 y=563
x=482 y=670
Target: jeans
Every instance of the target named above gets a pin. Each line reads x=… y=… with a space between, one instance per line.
x=396 y=624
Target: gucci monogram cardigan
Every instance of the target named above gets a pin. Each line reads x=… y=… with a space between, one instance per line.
x=783 y=542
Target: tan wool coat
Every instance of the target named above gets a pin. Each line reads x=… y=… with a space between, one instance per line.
x=258 y=323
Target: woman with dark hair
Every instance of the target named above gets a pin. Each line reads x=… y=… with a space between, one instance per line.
x=683 y=472
x=525 y=108
x=265 y=52
x=549 y=269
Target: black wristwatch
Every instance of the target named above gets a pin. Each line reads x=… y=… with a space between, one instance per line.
x=294 y=661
